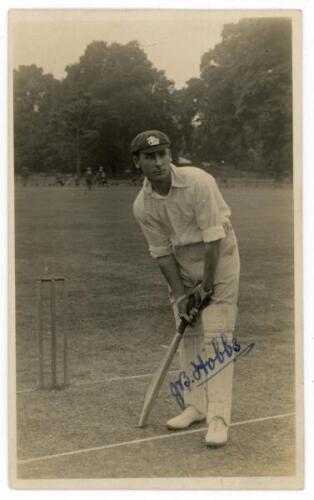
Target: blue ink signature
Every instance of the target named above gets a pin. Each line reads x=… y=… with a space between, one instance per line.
x=203 y=368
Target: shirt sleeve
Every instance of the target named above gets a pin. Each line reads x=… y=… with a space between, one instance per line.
x=208 y=217
x=158 y=243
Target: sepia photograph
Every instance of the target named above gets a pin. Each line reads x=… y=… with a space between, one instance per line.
x=155 y=249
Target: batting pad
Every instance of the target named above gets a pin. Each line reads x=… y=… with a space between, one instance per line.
x=192 y=345
x=219 y=319
x=219 y=387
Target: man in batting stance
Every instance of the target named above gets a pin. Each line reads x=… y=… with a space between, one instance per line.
x=186 y=223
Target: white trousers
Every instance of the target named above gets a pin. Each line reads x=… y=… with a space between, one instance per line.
x=214 y=397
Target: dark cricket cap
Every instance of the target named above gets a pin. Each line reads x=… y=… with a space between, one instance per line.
x=150 y=140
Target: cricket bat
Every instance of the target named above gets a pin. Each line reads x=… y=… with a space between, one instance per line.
x=157 y=380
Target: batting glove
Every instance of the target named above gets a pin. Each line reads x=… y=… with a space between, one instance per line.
x=186 y=308
x=200 y=295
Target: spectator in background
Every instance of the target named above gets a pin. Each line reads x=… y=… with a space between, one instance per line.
x=89 y=178
x=101 y=176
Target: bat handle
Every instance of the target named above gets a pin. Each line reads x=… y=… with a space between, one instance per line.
x=184 y=323
x=182 y=326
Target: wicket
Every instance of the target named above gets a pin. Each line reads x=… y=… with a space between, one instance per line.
x=52 y=281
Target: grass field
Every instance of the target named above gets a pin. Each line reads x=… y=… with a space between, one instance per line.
x=118 y=320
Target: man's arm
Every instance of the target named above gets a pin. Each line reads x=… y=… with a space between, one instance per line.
x=170 y=269
x=211 y=257
x=210 y=263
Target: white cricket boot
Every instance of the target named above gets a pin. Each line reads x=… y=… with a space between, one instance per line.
x=217 y=433
x=188 y=417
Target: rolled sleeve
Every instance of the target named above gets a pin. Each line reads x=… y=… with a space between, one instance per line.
x=207 y=213
x=213 y=233
x=159 y=244
x=157 y=252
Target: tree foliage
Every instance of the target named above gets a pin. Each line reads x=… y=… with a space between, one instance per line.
x=239 y=110
x=110 y=95
x=35 y=95
x=244 y=94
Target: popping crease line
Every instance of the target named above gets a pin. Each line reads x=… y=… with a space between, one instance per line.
x=116 y=379
x=143 y=440
x=100 y=381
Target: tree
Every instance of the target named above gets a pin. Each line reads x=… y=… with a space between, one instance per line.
x=127 y=95
x=34 y=95
x=245 y=97
x=89 y=118
x=70 y=125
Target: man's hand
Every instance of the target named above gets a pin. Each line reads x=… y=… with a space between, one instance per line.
x=200 y=295
x=187 y=309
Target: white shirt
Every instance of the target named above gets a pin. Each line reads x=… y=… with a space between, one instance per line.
x=193 y=211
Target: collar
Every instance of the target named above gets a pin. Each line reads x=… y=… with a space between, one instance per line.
x=177 y=180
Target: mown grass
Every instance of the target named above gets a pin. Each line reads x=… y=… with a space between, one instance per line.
x=118 y=317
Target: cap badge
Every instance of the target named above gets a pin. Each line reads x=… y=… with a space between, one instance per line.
x=153 y=140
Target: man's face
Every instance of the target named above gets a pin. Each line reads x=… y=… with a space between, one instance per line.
x=154 y=165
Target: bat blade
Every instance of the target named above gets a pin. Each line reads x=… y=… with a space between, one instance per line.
x=158 y=378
